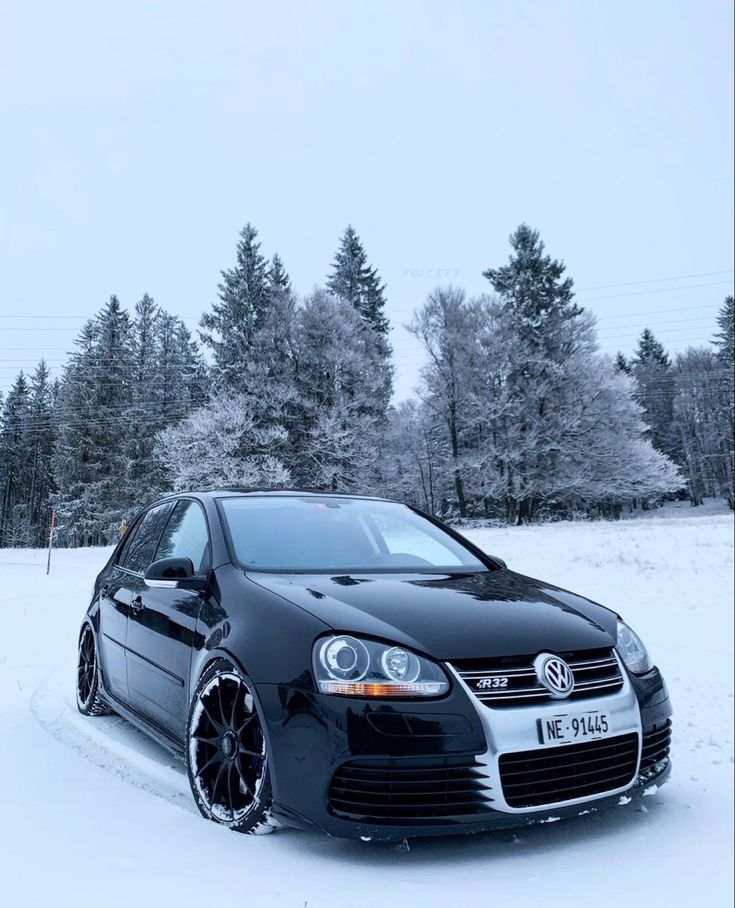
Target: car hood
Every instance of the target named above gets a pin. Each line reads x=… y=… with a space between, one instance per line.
x=455 y=616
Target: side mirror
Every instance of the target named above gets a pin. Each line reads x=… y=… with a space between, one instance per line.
x=170 y=573
x=498 y=560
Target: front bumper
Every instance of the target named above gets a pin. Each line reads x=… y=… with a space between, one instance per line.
x=313 y=736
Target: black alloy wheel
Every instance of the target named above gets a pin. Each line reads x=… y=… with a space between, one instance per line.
x=227 y=755
x=87 y=687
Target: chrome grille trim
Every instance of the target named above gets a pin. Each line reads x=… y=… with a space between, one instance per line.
x=593 y=676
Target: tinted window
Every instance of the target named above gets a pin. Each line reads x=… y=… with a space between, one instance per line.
x=140 y=548
x=338 y=534
x=186 y=536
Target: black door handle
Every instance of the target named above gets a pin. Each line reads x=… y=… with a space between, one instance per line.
x=137 y=603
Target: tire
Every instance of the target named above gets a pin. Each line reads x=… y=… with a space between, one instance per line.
x=89 y=702
x=226 y=753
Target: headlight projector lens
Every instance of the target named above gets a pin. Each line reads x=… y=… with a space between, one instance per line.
x=400 y=665
x=345 y=658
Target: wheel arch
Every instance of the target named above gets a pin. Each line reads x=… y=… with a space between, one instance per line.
x=221 y=654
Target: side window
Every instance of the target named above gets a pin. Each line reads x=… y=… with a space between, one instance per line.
x=140 y=548
x=186 y=536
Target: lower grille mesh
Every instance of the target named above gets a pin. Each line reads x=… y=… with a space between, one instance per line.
x=389 y=790
x=549 y=775
x=656 y=744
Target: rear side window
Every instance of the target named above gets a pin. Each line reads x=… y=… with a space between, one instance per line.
x=140 y=548
x=186 y=536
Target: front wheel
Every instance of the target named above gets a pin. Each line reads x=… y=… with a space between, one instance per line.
x=226 y=753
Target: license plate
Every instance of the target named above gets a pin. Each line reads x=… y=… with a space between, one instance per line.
x=564 y=728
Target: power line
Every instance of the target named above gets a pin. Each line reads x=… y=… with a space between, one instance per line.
x=616 y=296
x=111 y=413
x=713 y=312
x=655 y=280
x=189 y=318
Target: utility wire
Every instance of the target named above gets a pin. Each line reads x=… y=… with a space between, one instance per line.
x=655 y=280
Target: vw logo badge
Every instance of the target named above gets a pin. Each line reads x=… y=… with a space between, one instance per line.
x=555 y=675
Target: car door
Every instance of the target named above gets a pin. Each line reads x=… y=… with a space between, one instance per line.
x=117 y=594
x=162 y=628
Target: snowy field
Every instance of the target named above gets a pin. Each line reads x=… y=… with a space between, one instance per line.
x=94 y=814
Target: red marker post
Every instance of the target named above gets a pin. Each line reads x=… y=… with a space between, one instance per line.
x=51 y=538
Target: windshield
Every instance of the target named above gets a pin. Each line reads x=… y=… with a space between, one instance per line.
x=339 y=535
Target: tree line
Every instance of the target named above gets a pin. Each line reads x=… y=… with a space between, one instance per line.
x=518 y=416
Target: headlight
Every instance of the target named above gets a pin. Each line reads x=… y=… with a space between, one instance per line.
x=362 y=668
x=632 y=651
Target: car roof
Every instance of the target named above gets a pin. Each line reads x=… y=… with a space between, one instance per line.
x=238 y=491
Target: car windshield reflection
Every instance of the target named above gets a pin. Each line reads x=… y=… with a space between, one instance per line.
x=340 y=536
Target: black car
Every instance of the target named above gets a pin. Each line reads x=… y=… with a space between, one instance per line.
x=351 y=665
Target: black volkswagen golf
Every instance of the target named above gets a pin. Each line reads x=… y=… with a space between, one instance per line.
x=351 y=665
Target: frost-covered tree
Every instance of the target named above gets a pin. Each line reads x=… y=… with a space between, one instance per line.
x=535 y=313
x=356 y=282
x=704 y=413
x=145 y=389
x=278 y=279
x=337 y=384
x=448 y=328
x=27 y=434
x=725 y=337
x=14 y=523
x=39 y=450
x=168 y=381
x=535 y=294
x=93 y=455
x=244 y=297
x=703 y=419
x=232 y=441
x=532 y=424
x=654 y=383
x=125 y=381
x=181 y=373
x=414 y=458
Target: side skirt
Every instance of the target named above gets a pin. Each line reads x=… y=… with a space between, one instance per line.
x=148 y=728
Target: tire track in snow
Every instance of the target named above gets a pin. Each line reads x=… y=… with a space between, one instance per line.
x=110 y=743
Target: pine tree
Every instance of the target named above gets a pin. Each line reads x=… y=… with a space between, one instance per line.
x=337 y=422
x=354 y=282
x=725 y=337
x=357 y=283
x=244 y=297
x=650 y=350
x=622 y=364
x=40 y=444
x=278 y=279
x=703 y=420
x=534 y=291
x=93 y=454
x=146 y=396
x=27 y=434
x=651 y=368
x=547 y=330
x=181 y=373
x=14 y=516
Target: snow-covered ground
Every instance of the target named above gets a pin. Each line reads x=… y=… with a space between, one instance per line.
x=92 y=813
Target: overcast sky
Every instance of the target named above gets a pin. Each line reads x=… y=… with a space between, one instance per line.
x=138 y=138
